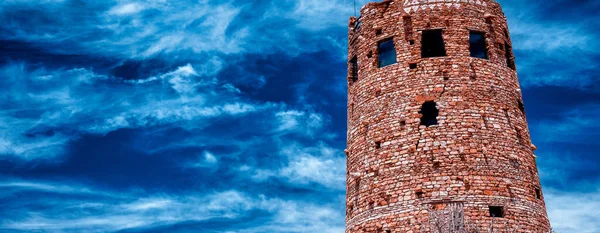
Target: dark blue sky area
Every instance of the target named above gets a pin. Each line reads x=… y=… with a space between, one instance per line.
x=230 y=116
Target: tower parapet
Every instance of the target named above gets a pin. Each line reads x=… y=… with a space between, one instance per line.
x=437 y=134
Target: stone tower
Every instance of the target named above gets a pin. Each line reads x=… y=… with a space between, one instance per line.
x=437 y=135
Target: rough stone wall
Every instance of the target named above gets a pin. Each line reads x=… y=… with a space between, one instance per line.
x=403 y=176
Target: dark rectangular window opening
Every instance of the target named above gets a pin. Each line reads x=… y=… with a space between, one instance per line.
x=521 y=107
x=478 y=46
x=496 y=211
x=387 y=53
x=377 y=145
x=378 y=32
x=354 y=69
x=412 y=65
x=429 y=114
x=432 y=44
x=510 y=60
x=538 y=193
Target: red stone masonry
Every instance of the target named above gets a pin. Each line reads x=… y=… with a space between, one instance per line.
x=406 y=177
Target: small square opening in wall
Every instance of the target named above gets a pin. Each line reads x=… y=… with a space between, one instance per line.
x=378 y=32
x=412 y=65
x=496 y=211
x=432 y=44
x=377 y=145
x=419 y=193
x=411 y=42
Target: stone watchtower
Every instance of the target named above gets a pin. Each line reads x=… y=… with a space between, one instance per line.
x=437 y=135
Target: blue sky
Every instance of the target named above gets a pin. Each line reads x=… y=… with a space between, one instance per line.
x=230 y=116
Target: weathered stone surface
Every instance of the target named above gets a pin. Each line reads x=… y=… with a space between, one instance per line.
x=404 y=176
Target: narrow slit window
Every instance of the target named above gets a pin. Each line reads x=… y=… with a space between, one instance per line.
x=354 y=69
x=521 y=107
x=429 y=114
x=432 y=44
x=478 y=46
x=387 y=53
x=496 y=211
x=408 y=27
x=510 y=61
x=538 y=193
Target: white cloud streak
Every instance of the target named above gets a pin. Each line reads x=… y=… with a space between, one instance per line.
x=573 y=212
x=130 y=211
x=62 y=104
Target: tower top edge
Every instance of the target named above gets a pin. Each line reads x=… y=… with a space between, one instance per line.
x=415 y=5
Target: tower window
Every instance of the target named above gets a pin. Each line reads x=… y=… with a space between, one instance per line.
x=478 y=46
x=429 y=114
x=387 y=53
x=510 y=61
x=354 y=69
x=538 y=193
x=377 y=145
x=408 y=28
x=521 y=107
x=432 y=44
x=496 y=211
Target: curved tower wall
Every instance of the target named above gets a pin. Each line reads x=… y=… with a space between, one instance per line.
x=407 y=177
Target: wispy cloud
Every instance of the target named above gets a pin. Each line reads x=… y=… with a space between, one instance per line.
x=567 y=46
x=135 y=210
x=576 y=126
x=304 y=166
x=573 y=211
x=61 y=107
